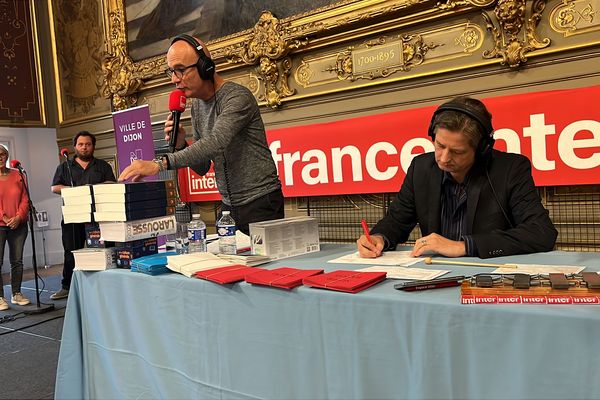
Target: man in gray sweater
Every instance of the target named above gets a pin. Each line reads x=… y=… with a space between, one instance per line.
x=228 y=131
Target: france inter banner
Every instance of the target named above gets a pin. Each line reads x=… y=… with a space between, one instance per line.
x=133 y=136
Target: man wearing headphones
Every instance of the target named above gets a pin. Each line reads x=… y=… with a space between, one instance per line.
x=468 y=199
x=228 y=130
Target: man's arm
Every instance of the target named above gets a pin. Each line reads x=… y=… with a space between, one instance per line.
x=401 y=217
x=532 y=229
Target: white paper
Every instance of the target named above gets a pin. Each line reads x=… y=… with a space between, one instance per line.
x=388 y=258
x=536 y=269
x=419 y=274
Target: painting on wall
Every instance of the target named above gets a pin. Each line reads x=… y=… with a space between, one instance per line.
x=152 y=23
x=79 y=47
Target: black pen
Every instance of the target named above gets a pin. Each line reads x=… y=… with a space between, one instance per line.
x=430 y=284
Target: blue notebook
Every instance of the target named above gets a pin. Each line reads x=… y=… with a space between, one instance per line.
x=153 y=264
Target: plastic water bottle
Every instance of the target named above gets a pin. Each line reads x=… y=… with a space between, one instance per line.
x=226 y=232
x=197 y=234
x=181 y=238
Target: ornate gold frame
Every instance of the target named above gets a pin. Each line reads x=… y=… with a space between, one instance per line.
x=264 y=57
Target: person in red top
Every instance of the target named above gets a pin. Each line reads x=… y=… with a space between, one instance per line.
x=14 y=206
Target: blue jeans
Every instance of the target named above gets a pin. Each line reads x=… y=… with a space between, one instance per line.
x=16 y=242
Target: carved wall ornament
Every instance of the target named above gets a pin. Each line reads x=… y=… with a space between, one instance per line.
x=380 y=58
x=512 y=26
x=574 y=17
x=452 y=4
x=469 y=39
x=268 y=46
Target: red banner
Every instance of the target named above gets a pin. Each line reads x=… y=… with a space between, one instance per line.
x=559 y=131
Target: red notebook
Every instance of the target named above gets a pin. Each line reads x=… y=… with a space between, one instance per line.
x=345 y=281
x=228 y=274
x=285 y=278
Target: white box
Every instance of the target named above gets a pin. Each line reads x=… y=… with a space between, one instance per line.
x=287 y=237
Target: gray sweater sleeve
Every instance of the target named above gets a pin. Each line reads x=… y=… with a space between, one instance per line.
x=230 y=116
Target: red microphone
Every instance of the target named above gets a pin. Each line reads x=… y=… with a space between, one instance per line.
x=16 y=164
x=177 y=101
x=64 y=153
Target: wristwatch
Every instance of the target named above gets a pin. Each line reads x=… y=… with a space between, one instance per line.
x=161 y=161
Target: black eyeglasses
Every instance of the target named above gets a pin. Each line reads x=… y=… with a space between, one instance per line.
x=178 y=72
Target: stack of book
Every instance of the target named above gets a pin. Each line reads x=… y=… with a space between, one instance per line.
x=284 y=278
x=189 y=264
x=77 y=204
x=134 y=201
x=345 y=281
x=154 y=264
x=95 y=259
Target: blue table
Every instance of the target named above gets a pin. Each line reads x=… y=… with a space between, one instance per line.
x=132 y=336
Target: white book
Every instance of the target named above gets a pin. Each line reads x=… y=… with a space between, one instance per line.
x=93 y=259
x=75 y=191
x=77 y=218
x=77 y=200
x=189 y=264
x=125 y=231
x=76 y=209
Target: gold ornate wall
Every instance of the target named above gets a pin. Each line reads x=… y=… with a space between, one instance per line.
x=349 y=58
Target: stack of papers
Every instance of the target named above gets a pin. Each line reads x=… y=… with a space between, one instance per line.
x=388 y=258
x=248 y=260
x=189 y=264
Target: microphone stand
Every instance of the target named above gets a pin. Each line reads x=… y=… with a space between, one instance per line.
x=69 y=169
x=39 y=309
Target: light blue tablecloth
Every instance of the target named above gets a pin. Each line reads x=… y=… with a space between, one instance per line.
x=132 y=336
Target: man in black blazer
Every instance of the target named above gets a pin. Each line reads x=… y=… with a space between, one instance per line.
x=468 y=199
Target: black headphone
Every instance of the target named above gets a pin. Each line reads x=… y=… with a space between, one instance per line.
x=486 y=142
x=205 y=65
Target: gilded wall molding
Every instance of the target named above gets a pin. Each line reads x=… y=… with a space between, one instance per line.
x=512 y=26
x=573 y=17
x=388 y=56
x=268 y=46
x=122 y=77
x=380 y=58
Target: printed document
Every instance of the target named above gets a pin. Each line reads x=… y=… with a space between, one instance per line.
x=418 y=274
x=388 y=258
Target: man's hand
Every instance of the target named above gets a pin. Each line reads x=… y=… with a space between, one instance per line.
x=437 y=244
x=139 y=169
x=180 y=140
x=13 y=222
x=370 y=249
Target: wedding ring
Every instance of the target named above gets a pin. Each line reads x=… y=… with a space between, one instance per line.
x=424 y=242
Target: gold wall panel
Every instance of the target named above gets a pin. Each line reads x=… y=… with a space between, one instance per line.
x=575 y=17
x=78 y=48
x=390 y=56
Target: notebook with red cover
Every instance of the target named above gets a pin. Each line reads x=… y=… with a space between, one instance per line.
x=345 y=281
x=285 y=277
x=228 y=274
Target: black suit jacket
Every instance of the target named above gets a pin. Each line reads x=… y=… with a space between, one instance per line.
x=419 y=201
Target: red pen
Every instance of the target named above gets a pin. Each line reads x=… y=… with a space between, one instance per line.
x=366 y=230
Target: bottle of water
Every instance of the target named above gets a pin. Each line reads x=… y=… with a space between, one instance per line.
x=226 y=232
x=181 y=238
x=197 y=234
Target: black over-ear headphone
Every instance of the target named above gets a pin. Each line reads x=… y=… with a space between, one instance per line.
x=205 y=65
x=486 y=142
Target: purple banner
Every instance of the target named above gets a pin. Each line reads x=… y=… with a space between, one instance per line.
x=133 y=136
